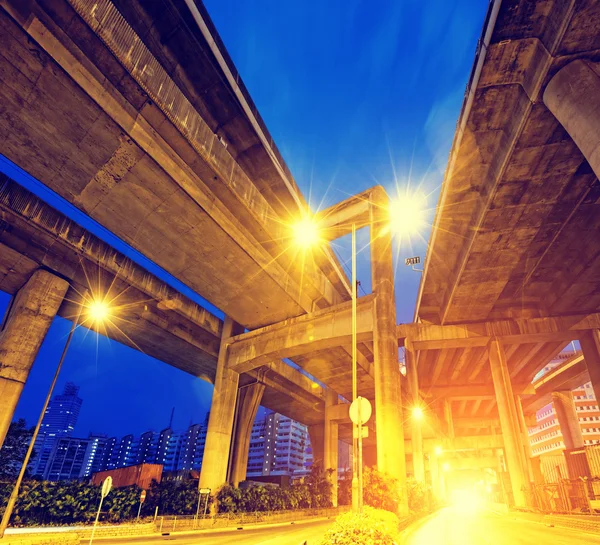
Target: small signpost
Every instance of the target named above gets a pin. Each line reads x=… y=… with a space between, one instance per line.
x=206 y=493
x=142 y=500
x=106 y=487
x=360 y=412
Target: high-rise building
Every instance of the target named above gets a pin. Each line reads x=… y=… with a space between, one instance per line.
x=59 y=422
x=278 y=446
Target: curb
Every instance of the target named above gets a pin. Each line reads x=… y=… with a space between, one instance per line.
x=216 y=530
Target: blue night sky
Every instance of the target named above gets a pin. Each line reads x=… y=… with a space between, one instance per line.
x=353 y=96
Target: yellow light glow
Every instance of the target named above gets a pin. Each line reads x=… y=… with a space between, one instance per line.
x=446 y=467
x=417 y=413
x=438 y=451
x=306 y=233
x=466 y=500
x=407 y=214
x=98 y=311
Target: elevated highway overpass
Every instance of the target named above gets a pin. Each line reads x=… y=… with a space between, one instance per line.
x=133 y=112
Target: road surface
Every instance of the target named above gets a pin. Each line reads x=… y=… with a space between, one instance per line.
x=453 y=526
x=288 y=534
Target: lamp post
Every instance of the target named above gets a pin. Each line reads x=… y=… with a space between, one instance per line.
x=98 y=310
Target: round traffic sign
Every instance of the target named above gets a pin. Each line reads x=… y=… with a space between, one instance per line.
x=143 y=496
x=360 y=411
x=106 y=486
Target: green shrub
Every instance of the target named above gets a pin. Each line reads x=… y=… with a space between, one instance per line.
x=371 y=527
x=380 y=490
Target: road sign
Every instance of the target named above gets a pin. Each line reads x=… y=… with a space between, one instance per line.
x=412 y=260
x=143 y=496
x=360 y=406
x=204 y=491
x=106 y=486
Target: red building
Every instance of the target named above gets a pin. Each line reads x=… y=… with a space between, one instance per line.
x=141 y=475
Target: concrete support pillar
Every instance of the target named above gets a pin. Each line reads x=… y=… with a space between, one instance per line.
x=369 y=456
x=388 y=395
x=330 y=444
x=316 y=433
x=567 y=419
x=590 y=345
x=415 y=401
x=447 y=415
x=25 y=325
x=508 y=421
x=527 y=453
x=573 y=96
x=248 y=401
x=222 y=411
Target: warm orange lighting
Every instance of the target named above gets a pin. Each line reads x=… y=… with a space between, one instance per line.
x=446 y=467
x=417 y=413
x=98 y=311
x=306 y=233
x=438 y=451
x=407 y=214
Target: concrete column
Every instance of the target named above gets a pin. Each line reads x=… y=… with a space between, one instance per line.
x=330 y=444
x=388 y=395
x=248 y=401
x=567 y=419
x=415 y=401
x=573 y=96
x=590 y=346
x=220 y=422
x=25 y=325
x=316 y=433
x=447 y=415
x=527 y=454
x=508 y=421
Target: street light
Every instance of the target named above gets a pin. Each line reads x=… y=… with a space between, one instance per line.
x=407 y=213
x=306 y=233
x=438 y=451
x=96 y=311
x=418 y=413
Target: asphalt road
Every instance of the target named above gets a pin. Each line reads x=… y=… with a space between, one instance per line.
x=289 y=534
x=453 y=526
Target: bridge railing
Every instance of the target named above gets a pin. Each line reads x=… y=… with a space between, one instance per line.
x=182 y=523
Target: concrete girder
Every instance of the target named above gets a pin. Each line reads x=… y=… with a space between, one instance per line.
x=308 y=333
x=152 y=143
x=533 y=330
x=475 y=391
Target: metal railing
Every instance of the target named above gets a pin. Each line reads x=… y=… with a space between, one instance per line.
x=183 y=523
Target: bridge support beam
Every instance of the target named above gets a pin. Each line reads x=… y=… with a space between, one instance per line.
x=25 y=326
x=509 y=421
x=416 y=424
x=567 y=419
x=248 y=401
x=388 y=395
x=220 y=422
x=573 y=96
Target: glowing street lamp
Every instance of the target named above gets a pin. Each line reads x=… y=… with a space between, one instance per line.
x=97 y=310
x=407 y=214
x=306 y=233
x=438 y=451
x=418 y=413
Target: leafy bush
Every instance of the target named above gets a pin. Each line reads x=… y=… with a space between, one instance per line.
x=371 y=527
x=380 y=490
x=54 y=503
x=172 y=498
x=312 y=491
x=419 y=496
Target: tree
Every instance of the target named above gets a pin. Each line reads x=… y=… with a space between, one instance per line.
x=14 y=449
